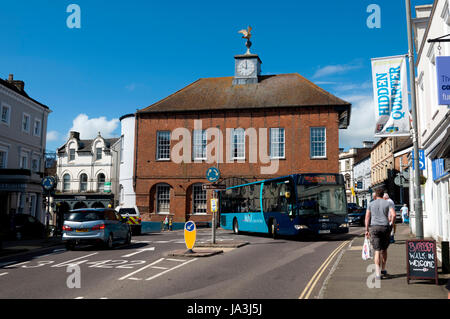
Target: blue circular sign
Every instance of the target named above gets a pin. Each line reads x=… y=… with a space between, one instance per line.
x=190 y=226
x=212 y=174
x=48 y=183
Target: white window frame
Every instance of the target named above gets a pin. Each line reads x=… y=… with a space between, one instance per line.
x=7 y=121
x=70 y=158
x=97 y=158
x=64 y=188
x=39 y=127
x=198 y=200
x=163 y=196
x=81 y=181
x=37 y=165
x=101 y=189
x=4 y=163
x=277 y=142
x=199 y=145
x=324 y=142
x=26 y=116
x=239 y=145
x=22 y=156
x=162 y=153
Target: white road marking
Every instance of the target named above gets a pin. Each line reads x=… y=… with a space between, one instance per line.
x=178 y=260
x=16 y=265
x=139 y=251
x=79 y=298
x=8 y=263
x=164 y=272
x=139 y=270
x=161 y=268
x=69 y=262
x=3 y=274
x=162 y=241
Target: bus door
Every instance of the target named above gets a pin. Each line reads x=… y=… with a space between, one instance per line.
x=279 y=202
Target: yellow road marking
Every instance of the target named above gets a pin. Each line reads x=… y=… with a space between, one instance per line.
x=315 y=278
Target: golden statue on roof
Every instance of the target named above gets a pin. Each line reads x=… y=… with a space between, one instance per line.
x=247 y=35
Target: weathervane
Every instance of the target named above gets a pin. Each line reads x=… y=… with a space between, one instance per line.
x=247 y=35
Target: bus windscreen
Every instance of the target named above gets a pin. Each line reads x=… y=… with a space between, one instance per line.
x=321 y=199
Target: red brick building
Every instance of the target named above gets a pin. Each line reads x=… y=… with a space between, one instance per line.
x=283 y=116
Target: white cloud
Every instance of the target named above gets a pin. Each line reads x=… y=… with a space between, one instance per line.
x=53 y=136
x=89 y=128
x=335 y=69
x=362 y=122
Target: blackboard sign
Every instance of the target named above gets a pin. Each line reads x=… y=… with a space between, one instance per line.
x=421 y=262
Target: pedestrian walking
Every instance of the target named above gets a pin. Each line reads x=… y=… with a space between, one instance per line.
x=405 y=214
x=379 y=215
x=166 y=223
x=393 y=226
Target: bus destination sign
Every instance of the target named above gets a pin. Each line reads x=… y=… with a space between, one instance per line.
x=318 y=179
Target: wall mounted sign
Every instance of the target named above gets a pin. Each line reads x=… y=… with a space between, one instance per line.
x=443 y=79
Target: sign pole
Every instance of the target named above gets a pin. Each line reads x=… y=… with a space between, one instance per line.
x=213 y=240
x=412 y=79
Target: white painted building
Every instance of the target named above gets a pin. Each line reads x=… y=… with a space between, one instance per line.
x=362 y=177
x=23 y=131
x=85 y=173
x=432 y=21
x=127 y=195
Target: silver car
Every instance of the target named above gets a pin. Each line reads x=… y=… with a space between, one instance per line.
x=95 y=226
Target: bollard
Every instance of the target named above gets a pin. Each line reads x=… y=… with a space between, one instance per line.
x=445 y=257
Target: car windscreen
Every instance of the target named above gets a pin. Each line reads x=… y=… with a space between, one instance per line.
x=86 y=216
x=130 y=211
x=321 y=199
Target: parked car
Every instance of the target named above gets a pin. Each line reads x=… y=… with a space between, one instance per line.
x=25 y=227
x=398 y=213
x=95 y=226
x=356 y=214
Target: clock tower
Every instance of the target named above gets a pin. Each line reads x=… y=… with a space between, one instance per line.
x=247 y=66
x=247 y=69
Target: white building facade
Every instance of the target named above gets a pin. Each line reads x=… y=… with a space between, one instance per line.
x=432 y=21
x=23 y=130
x=362 y=177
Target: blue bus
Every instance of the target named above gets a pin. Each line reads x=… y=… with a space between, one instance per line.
x=291 y=205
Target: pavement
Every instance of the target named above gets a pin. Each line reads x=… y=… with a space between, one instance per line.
x=352 y=278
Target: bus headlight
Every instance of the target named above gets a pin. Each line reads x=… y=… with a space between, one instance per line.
x=345 y=225
x=298 y=227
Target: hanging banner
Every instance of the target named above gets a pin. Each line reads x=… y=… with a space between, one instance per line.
x=443 y=79
x=390 y=91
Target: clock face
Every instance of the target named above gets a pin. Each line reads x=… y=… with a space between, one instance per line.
x=246 y=67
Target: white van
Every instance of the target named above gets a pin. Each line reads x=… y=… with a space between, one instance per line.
x=134 y=218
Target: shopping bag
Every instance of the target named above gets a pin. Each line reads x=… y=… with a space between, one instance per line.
x=367 y=250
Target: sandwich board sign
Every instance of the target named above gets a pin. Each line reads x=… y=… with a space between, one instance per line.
x=421 y=260
x=190 y=234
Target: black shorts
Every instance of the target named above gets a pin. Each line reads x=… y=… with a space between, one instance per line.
x=380 y=237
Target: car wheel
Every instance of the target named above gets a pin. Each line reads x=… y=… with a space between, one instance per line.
x=110 y=242
x=128 y=240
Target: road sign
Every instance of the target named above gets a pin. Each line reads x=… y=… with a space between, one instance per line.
x=214 y=205
x=212 y=174
x=400 y=180
x=48 y=183
x=190 y=234
x=421 y=160
x=213 y=187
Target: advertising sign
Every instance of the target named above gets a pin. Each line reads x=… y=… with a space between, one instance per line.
x=422 y=160
x=421 y=260
x=390 y=91
x=443 y=79
x=214 y=205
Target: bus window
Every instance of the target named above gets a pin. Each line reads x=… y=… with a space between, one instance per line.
x=278 y=197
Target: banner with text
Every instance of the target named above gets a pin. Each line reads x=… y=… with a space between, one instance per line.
x=390 y=92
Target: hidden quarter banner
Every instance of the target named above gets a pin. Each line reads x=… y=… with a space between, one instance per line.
x=391 y=96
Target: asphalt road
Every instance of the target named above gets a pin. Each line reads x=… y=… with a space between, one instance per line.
x=265 y=269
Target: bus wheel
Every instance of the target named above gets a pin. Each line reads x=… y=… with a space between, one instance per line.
x=235 y=227
x=273 y=229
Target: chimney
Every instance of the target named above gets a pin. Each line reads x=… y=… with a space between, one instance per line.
x=75 y=135
x=367 y=144
x=20 y=85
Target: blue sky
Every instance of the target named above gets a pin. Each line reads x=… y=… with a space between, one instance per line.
x=130 y=54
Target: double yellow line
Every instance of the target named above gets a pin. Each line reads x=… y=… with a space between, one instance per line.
x=313 y=282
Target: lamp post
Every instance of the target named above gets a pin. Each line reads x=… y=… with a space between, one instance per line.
x=412 y=73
